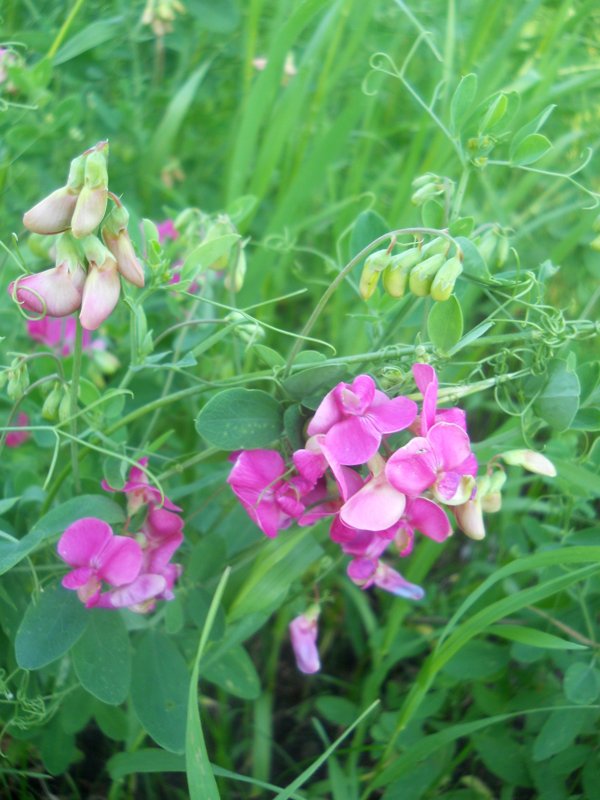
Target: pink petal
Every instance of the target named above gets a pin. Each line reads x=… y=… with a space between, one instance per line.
x=454 y=415
x=367 y=544
x=390 y=416
x=353 y=441
x=256 y=469
x=412 y=468
x=120 y=561
x=83 y=541
x=303 y=635
x=162 y=523
x=361 y=571
x=450 y=444
x=144 y=588
x=355 y=399
x=427 y=517
x=100 y=295
x=376 y=507
x=77 y=578
x=326 y=415
x=59 y=288
x=269 y=518
x=390 y=580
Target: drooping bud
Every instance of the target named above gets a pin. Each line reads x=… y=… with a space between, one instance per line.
x=116 y=238
x=102 y=285
x=53 y=214
x=426 y=186
x=52 y=402
x=530 y=460
x=375 y=264
x=421 y=277
x=395 y=275
x=469 y=516
x=92 y=200
x=303 y=635
x=64 y=406
x=443 y=283
x=221 y=227
x=234 y=280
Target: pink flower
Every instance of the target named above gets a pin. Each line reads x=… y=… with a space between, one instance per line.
x=139 y=492
x=366 y=572
x=16 y=438
x=442 y=460
x=58 y=333
x=427 y=383
x=98 y=555
x=303 y=634
x=100 y=292
x=257 y=478
x=166 y=230
x=354 y=418
x=57 y=291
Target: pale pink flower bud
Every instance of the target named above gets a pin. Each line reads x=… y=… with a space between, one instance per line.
x=303 y=635
x=91 y=203
x=102 y=286
x=53 y=214
x=469 y=517
x=116 y=238
x=529 y=459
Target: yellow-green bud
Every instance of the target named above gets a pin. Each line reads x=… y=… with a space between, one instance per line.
x=438 y=245
x=395 y=276
x=443 y=283
x=64 y=407
x=421 y=276
x=52 y=402
x=234 y=280
x=374 y=266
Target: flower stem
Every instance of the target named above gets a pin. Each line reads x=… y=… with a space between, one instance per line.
x=74 y=395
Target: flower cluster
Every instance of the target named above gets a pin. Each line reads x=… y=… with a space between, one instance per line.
x=137 y=568
x=75 y=211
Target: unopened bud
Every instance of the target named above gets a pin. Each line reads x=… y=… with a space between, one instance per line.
x=374 y=266
x=395 y=275
x=52 y=402
x=438 y=245
x=92 y=200
x=421 y=277
x=234 y=280
x=443 y=283
x=463 y=492
x=64 y=406
x=426 y=193
x=530 y=460
x=487 y=246
x=116 y=238
x=470 y=518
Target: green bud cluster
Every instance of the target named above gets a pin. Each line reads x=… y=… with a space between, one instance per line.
x=424 y=270
x=427 y=187
x=17 y=379
x=494 y=247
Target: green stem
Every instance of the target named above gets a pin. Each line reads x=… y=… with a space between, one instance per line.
x=73 y=405
x=64 y=28
x=342 y=274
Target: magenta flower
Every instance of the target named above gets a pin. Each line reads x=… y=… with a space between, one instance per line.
x=354 y=418
x=271 y=502
x=303 y=635
x=375 y=507
x=366 y=572
x=97 y=555
x=16 y=438
x=166 y=230
x=361 y=543
x=442 y=461
x=427 y=383
x=58 y=333
x=139 y=492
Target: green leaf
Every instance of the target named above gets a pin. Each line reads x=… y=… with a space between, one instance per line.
x=531 y=149
x=304 y=385
x=581 y=683
x=559 y=732
x=433 y=214
x=477 y=661
x=163 y=142
x=205 y=254
x=474 y=265
x=558 y=401
x=530 y=128
x=462 y=101
x=494 y=113
x=240 y=419
x=368 y=226
x=160 y=689
x=150 y=759
x=55 y=522
x=463 y=226
x=281 y=562
x=102 y=658
x=445 y=324
x=586 y=419
x=51 y=626
x=269 y=356
x=235 y=672
x=94 y=35
x=534 y=638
